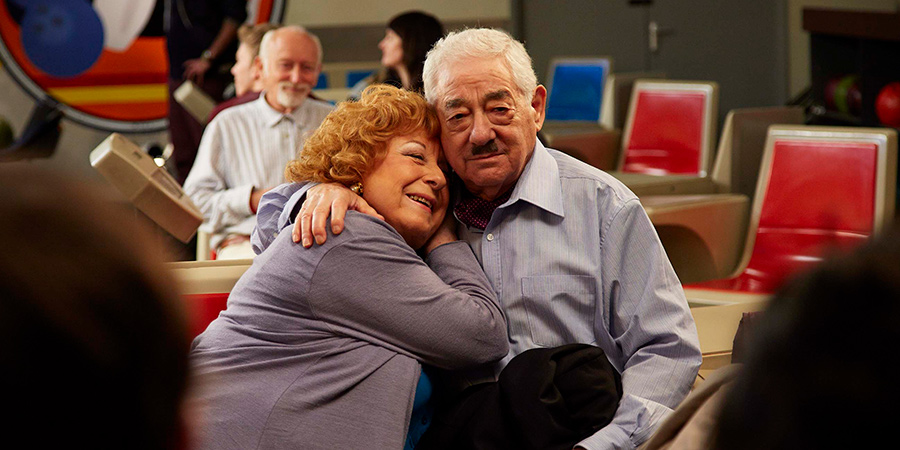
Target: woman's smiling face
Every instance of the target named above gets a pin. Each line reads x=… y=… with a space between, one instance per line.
x=408 y=187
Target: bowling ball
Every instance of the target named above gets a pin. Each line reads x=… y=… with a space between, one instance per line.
x=887 y=105
x=6 y=133
x=62 y=38
x=844 y=94
x=854 y=99
x=830 y=87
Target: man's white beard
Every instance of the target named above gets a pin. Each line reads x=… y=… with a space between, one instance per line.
x=291 y=99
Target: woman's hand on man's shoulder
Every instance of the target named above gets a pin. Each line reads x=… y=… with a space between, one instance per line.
x=322 y=201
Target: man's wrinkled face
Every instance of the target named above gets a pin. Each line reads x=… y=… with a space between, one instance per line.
x=488 y=128
x=290 y=71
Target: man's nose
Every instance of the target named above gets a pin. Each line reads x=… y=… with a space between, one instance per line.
x=296 y=74
x=482 y=129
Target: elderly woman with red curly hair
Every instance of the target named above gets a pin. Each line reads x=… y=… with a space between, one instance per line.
x=324 y=347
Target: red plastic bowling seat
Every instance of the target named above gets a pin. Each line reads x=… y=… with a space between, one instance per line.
x=820 y=190
x=203 y=309
x=670 y=128
x=205 y=287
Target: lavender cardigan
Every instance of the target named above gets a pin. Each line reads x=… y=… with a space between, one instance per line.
x=321 y=347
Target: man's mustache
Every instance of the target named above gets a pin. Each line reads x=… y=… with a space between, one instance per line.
x=487 y=147
x=295 y=86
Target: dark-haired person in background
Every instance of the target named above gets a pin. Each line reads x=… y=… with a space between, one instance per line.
x=407 y=39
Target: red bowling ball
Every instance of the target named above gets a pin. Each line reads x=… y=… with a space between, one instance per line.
x=887 y=105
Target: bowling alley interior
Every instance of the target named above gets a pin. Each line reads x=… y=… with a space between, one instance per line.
x=759 y=138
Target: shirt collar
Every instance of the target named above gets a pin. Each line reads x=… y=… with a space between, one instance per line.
x=271 y=117
x=539 y=183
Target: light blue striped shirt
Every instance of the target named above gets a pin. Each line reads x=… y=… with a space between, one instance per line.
x=574 y=259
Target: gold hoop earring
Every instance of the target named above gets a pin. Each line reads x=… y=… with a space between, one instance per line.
x=357 y=188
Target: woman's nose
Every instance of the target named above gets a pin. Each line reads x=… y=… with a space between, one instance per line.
x=435 y=178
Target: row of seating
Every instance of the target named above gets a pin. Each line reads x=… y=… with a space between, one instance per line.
x=774 y=200
x=670 y=127
x=796 y=214
x=206 y=287
x=820 y=190
x=813 y=190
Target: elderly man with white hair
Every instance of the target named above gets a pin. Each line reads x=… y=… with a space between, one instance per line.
x=568 y=249
x=245 y=148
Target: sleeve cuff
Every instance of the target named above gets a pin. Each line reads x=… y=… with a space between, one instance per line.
x=239 y=200
x=634 y=423
x=271 y=207
x=609 y=437
x=292 y=205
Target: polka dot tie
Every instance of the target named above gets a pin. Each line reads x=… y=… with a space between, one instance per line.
x=476 y=212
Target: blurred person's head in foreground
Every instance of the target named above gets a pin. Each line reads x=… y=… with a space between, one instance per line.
x=818 y=370
x=93 y=343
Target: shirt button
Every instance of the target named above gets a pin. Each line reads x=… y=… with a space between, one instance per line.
x=490 y=237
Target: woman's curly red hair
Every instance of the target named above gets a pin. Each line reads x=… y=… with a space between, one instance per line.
x=354 y=136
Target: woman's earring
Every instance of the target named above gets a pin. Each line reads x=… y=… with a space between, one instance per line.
x=357 y=188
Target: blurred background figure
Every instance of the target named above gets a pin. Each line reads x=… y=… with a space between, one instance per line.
x=200 y=40
x=247 y=82
x=93 y=344
x=407 y=40
x=818 y=371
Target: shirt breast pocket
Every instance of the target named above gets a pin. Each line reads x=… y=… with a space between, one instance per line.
x=560 y=308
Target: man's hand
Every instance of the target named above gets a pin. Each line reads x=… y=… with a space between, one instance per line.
x=194 y=69
x=330 y=198
x=255 y=196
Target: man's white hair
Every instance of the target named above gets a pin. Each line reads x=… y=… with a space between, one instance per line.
x=265 y=46
x=481 y=43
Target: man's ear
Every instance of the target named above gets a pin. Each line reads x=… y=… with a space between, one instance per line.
x=258 y=66
x=539 y=103
x=256 y=69
x=318 y=72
